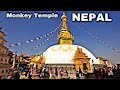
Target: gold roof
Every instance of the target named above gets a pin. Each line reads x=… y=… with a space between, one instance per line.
x=38 y=59
x=79 y=54
x=35 y=59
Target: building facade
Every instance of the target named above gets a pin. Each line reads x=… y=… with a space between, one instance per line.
x=4 y=57
x=104 y=62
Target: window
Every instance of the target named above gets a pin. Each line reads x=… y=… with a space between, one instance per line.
x=2 y=71
x=6 y=71
x=84 y=66
x=1 y=59
x=2 y=42
x=5 y=60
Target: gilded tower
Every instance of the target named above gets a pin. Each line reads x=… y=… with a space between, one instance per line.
x=64 y=35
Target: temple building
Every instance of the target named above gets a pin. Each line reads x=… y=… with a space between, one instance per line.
x=104 y=62
x=81 y=60
x=21 y=60
x=4 y=56
x=37 y=61
x=66 y=54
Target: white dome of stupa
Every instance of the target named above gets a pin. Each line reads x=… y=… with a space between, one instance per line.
x=63 y=54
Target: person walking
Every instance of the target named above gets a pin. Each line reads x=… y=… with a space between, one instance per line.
x=106 y=74
x=11 y=74
x=16 y=74
x=56 y=72
x=110 y=74
x=80 y=72
x=77 y=75
x=103 y=73
x=29 y=75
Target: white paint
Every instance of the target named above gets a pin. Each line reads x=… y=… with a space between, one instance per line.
x=61 y=54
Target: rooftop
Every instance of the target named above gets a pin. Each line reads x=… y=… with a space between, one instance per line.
x=0 y=28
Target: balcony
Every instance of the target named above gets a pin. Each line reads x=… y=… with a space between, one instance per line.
x=1 y=45
x=1 y=37
x=4 y=65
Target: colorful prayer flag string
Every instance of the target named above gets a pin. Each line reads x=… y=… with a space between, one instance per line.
x=99 y=40
x=42 y=43
x=38 y=38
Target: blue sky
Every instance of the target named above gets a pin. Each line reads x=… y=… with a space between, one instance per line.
x=20 y=30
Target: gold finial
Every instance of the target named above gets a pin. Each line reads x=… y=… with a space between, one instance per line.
x=63 y=16
x=63 y=13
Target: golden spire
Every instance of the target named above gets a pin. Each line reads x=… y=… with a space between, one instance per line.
x=64 y=17
x=64 y=35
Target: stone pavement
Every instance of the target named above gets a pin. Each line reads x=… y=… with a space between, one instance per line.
x=72 y=76
x=82 y=77
x=36 y=76
x=22 y=76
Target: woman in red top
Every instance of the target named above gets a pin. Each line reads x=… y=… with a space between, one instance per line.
x=11 y=74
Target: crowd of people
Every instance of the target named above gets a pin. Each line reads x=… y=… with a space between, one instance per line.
x=55 y=73
x=101 y=73
x=50 y=73
x=42 y=73
x=16 y=72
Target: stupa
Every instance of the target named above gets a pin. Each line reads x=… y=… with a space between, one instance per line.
x=67 y=55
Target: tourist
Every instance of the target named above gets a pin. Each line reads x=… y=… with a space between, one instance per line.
x=11 y=74
x=103 y=73
x=44 y=71
x=118 y=69
x=41 y=70
x=16 y=74
x=86 y=75
x=56 y=72
x=25 y=74
x=114 y=70
x=95 y=72
x=77 y=75
x=80 y=72
x=106 y=74
x=99 y=73
x=61 y=71
x=110 y=73
x=66 y=72
x=85 y=72
x=26 y=69
x=46 y=74
x=51 y=72
x=29 y=75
